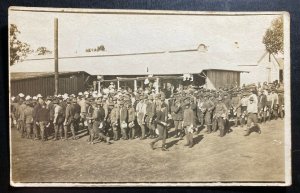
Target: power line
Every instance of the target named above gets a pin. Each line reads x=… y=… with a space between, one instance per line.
x=114 y=55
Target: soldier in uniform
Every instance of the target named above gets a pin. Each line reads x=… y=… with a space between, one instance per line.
x=20 y=116
x=236 y=105
x=123 y=120
x=200 y=113
x=43 y=118
x=150 y=115
x=221 y=115
x=281 y=104
x=252 y=109
x=76 y=109
x=28 y=119
x=58 y=120
x=161 y=119
x=188 y=123
x=177 y=115
x=141 y=113
x=131 y=120
x=207 y=108
x=98 y=122
x=244 y=102
x=69 y=119
x=262 y=101
x=114 y=121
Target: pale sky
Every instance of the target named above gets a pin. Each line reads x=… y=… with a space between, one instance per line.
x=127 y=33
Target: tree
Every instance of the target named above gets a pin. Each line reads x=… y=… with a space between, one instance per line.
x=18 y=49
x=98 y=49
x=273 y=38
x=43 y=51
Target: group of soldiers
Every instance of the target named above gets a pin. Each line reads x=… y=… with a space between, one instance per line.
x=124 y=114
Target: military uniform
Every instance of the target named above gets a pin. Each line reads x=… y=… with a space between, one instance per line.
x=188 y=124
x=114 y=119
x=28 y=119
x=177 y=115
x=221 y=115
x=207 y=108
x=123 y=121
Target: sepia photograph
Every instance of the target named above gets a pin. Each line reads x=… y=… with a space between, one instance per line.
x=112 y=98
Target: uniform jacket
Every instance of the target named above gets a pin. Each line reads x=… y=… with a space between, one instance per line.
x=20 y=111
x=188 y=117
x=123 y=114
x=114 y=115
x=28 y=115
x=150 y=109
x=177 y=112
x=262 y=101
x=131 y=114
x=43 y=114
x=221 y=110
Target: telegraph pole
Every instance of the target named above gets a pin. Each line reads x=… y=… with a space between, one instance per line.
x=55 y=56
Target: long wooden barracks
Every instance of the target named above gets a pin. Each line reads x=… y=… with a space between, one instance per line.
x=197 y=67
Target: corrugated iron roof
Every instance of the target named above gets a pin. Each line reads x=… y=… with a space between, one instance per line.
x=28 y=75
x=157 y=64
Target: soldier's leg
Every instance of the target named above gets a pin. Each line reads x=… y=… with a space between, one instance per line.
x=164 y=137
x=249 y=124
x=133 y=132
x=60 y=130
x=143 y=131
x=72 y=126
x=176 y=128
x=191 y=142
x=55 y=131
x=221 y=124
x=28 y=130
x=66 y=131
x=187 y=137
x=42 y=127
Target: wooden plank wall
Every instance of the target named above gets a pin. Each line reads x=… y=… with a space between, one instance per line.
x=223 y=79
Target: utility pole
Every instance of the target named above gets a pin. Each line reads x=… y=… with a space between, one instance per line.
x=55 y=56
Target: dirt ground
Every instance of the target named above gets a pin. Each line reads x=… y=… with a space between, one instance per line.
x=258 y=157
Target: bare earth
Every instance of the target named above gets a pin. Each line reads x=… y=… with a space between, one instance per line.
x=258 y=157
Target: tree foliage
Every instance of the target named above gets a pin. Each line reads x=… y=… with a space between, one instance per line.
x=43 y=51
x=273 y=38
x=97 y=49
x=18 y=49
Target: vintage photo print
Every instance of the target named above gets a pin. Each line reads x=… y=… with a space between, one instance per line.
x=149 y=98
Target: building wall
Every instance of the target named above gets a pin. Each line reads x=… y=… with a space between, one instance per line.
x=220 y=78
x=265 y=71
x=45 y=85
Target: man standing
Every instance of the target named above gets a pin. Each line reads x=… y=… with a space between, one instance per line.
x=131 y=119
x=207 y=108
x=58 y=120
x=43 y=118
x=28 y=119
x=69 y=120
x=252 y=110
x=221 y=115
x=123 y=120
x=188 y=123
x=244 y=102
x=177 y=115
x=150 y=113
x=114 y=120
x=262 y=102
x=161 y=119
x=141 y=113
x=236 y=105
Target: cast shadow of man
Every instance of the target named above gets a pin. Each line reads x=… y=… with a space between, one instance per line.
x=196 y=140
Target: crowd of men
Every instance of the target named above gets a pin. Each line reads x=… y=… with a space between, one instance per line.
x=115 y=114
